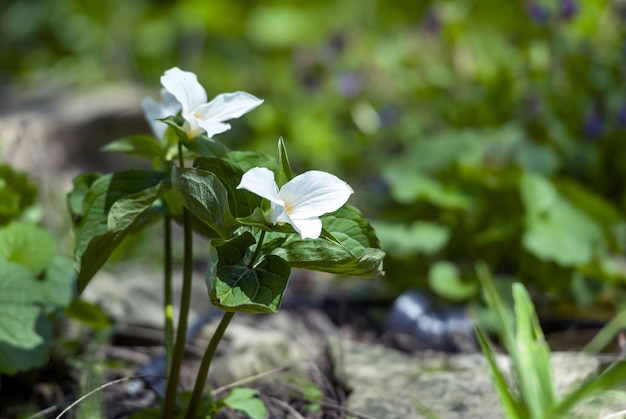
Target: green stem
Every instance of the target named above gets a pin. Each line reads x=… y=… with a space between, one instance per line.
x=205 y=365
x=203 y=370
x=185 y=298
x=168 y=307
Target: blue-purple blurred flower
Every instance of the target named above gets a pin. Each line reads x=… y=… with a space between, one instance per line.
x=568 y=8
x=593 y=125
x=537 y=13
x=348 y=85
x=621 y=116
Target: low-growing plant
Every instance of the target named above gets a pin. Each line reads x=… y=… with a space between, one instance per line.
x=259 y=218
x=529 y=392
x=36 y=282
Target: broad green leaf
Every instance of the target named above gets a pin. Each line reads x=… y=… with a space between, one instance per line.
x=555 y=230
x=351 y=247
x=284 y=173
x=240 y=202
x=245 y=400
x=205 y=197
x=17 y=193
x=105 y=221
x=326 y=256
x=145 y=146
x=205 y=146
x=58 y=286
x=19 y=306
x=512 y=407
x=351 y=228
x=88 y=314
x=402 y=241
x=14 y=359
x=249 y=159
x=82 y=183
x=531 y=356
x=408 y=187
x=28 y=245
x=249 y=290
x=445 y=279
x=235 y=250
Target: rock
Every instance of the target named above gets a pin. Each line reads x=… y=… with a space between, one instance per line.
x=385 y=383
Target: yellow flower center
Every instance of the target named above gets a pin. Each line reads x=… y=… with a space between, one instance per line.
x=288 y=208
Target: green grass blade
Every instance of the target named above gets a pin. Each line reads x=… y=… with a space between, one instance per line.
x=531 y=357
x=511 y=406
x=503 y=316
x=606 y=334
x=608 y=379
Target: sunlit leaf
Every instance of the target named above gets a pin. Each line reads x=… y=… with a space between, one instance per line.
x=245 y=400
x=445 y=279
x=145 y=146
x=105 y=221
x=555 y=229
x=28 y=245
x=401 y=240
x=206 y=197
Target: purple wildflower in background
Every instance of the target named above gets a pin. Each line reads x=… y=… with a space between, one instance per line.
x=592 y=125
x=348 y=85
x=621 y=116
x=537 y=13
x=568 y=9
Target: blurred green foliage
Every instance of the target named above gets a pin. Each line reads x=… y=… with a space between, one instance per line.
x=471 y=129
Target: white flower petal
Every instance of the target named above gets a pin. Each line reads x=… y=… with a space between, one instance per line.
x=314 y=193
x=171 y=106
x=153 y=111
x=260 y=181
x=228 y=106
x=309 y=228
x=184 y=86
x=212 y=127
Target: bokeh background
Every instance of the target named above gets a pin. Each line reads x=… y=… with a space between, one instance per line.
x=471 y=130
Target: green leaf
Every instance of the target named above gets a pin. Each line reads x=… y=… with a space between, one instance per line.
x=28 y=245
x=326 y=256
x=144 y=146
x=549 y=234
x=402 y=241
x=531 y=356
x=610 y=378
x=82 y=183
x=205 y=197
x=284 y=173
x=246 y=160
x=351 y=247
x=351 y=228
x=408 y=187
x=512 y=407
x=236 y=287
x=17 y=193
x=112 y=207
x=19 y=308
x=240 y=202
x=14 y=359
x=205 y=146
x=88 y=314
x=445 y=279
x=245 y=400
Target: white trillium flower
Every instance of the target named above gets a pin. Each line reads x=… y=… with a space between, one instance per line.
x=199 y=115
x=301 y=201
x=153 y=111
